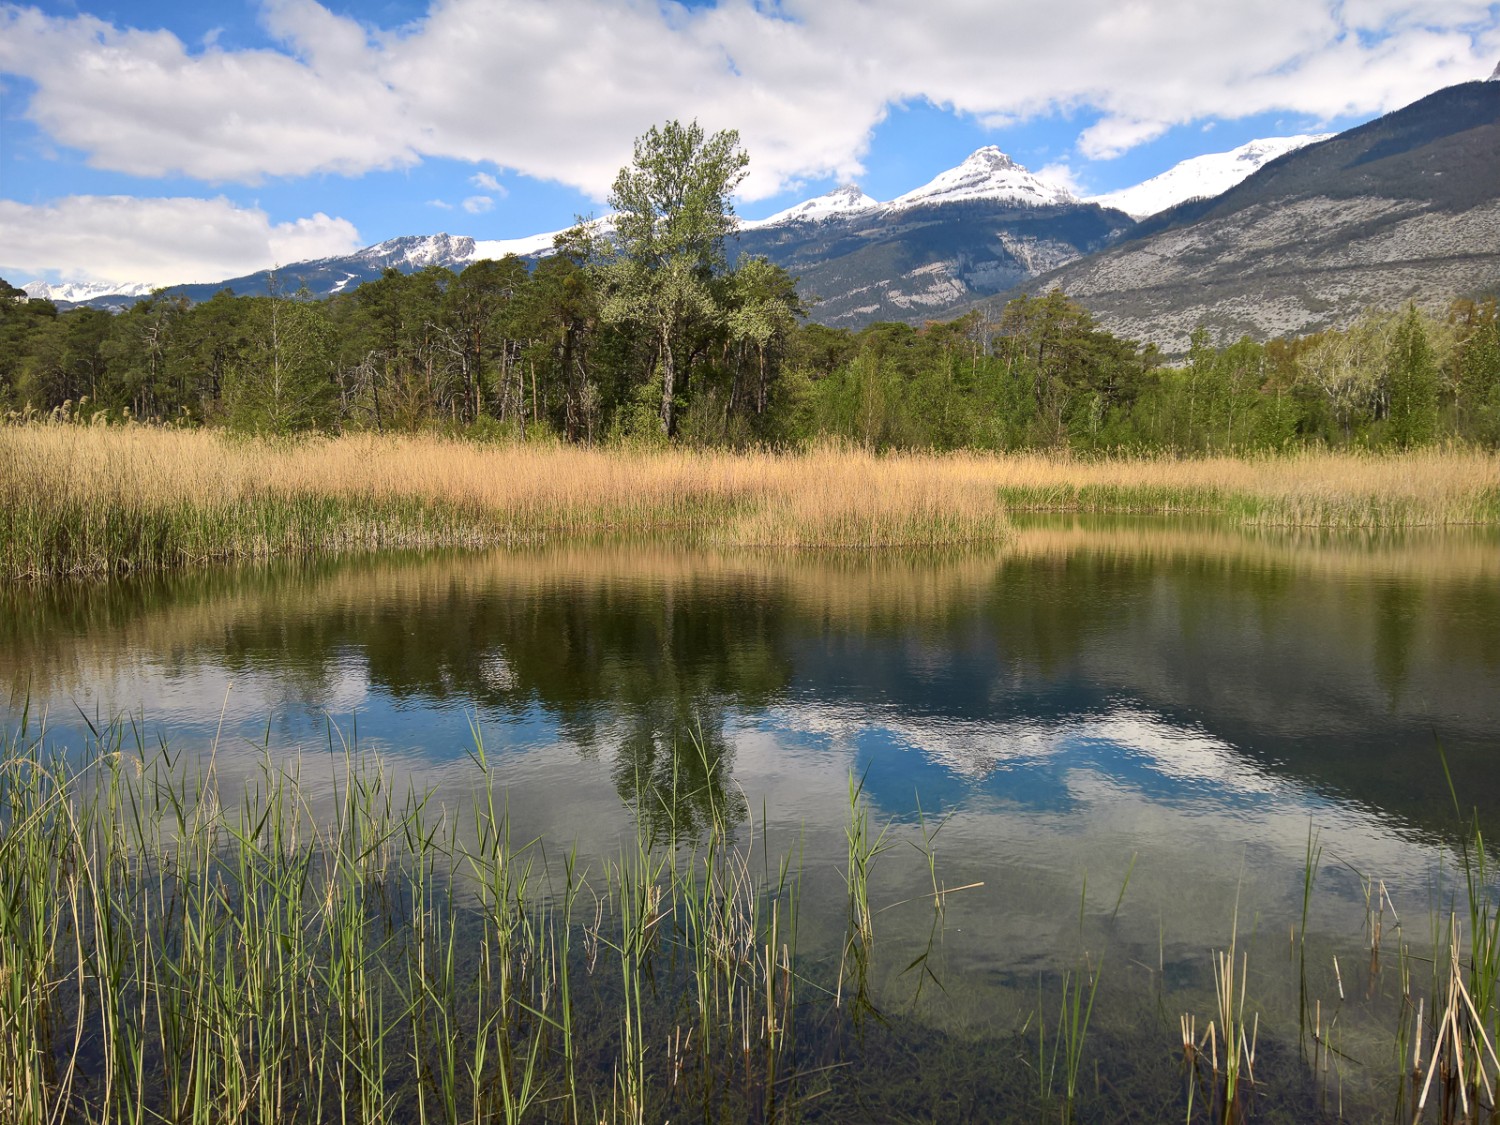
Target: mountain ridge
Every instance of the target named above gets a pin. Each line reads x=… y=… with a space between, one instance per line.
x=1312 y=229
x=1405 y=207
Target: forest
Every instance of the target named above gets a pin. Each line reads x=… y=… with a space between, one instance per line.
x=656 y=334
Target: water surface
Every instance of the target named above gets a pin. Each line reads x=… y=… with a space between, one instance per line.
x=1168 y=709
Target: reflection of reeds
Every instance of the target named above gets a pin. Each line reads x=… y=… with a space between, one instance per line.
x=93 y=500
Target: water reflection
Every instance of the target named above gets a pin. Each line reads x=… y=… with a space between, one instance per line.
x=1172 y=707
x=1119 y=648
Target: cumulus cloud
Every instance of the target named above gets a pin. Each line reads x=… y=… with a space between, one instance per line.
x=1063 y=175
x=478 y=204
x=488 y=183
x=556 y=89
x=162 y=241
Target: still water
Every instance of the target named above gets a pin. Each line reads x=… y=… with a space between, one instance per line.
x=1124 y=733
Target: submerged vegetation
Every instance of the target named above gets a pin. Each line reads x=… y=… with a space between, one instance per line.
x=181 y=948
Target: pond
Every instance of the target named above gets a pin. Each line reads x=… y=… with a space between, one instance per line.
x=1116 y=748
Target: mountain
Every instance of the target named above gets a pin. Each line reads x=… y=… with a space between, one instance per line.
x=1406 y=207
x=839 y=203
x=975 y=230
x=71 y=293
x=926 y=261
x=989 y=175
x=1314 y=230
x=1201 y=177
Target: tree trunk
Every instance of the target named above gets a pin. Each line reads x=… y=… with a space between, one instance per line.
x=668 y=379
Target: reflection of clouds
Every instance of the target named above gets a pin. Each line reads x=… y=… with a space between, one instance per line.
x=1124 y=778
x=496 y=673
x=196 y=697
x=975 y=749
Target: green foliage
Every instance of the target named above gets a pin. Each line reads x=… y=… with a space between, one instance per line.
x=1411 y=373
x=282 y=380
x=666 y=276
x=652 y=335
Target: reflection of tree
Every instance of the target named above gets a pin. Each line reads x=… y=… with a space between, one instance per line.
x=673 y=769
x=646 y=667
x=1269 y=647
x=1397 y=609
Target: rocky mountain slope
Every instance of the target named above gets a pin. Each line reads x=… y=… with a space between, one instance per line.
x=1406 y=207
x=928 y=260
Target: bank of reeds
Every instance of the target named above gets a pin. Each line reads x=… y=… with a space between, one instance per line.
x=92 y=500
x=168 y=955
x=172 y=952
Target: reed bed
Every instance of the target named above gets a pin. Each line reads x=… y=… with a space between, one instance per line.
x=91 y=500
x=167 y=954
x=174 y=951
x=1340 y=491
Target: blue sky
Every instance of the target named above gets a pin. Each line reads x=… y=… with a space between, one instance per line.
x=168 y=142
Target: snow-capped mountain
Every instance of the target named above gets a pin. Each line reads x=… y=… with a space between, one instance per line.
x=1202 y=176
x=987 y=174
x=837 y=204
x=76 y=292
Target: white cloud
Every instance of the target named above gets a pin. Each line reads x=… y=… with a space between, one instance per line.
x=1062 y=174
x=489 y=183
x=478 y=204
x=556 y=89
x=1107 y=139
x=163 y=241
x=440 y=204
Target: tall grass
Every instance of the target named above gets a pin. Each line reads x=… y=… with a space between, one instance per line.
x=166 y=956
x=87 y=500
x=170 y=953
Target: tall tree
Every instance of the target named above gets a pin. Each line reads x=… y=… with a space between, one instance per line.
x=1412 y=378
x=673 y=212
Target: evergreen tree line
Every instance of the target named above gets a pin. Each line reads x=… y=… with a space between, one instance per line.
x=653 y=334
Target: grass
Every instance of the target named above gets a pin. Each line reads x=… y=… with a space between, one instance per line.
x=94 y=500
x=172 y=951
x=167 y=955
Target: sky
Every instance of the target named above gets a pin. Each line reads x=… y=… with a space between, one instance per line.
x=188 y=140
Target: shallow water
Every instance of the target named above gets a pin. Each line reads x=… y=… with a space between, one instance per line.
x=1125 y=729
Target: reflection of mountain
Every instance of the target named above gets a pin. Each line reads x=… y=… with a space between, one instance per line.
x=1192 y=656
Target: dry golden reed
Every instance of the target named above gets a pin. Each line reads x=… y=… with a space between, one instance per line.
x=96 y=499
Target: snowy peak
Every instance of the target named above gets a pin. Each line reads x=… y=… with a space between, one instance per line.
x=418 y=251
x=77 y=291
x=986 y=174
x=1496 y=76
x=837 y=204
x=1202 y=176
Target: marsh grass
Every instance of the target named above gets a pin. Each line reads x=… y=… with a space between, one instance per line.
x=94 y=500
x=169 y=952
x=171 y=957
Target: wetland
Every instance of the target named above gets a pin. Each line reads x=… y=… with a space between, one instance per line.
x=631 y=830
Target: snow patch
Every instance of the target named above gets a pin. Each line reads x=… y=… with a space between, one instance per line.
x=1202 y=177
x=78 y=291
x=497 y=248
x=837 y=204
